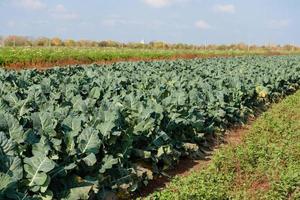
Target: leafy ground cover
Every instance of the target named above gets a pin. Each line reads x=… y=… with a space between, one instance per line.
x=45 y=57
x=83 y=131
x=265 y=166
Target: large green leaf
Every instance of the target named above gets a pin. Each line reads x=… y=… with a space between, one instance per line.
x=5 y=183
x=79 y=104
x=41 y=148
x=108 y=162
x=12 y=166
x=6 y=145
x=95 y=92
x=90 y=160
x=88 y=141
x=10 y=124
x=71 y=127
x=106 y=127
x=36 y=169
x=110 y=120
x=77 y=187
x=45 y=123
x=78 y=193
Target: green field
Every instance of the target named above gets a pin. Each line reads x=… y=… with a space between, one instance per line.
x=23 y=57
x=265 y=166
x=83 y=131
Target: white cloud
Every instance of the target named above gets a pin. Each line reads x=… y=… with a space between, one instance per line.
x=158 y=3
x=163 y=3
x=60 y=8
x=279 y=23
x=30 y=4
x=60 y=12
x=224 y=8
x=203 y=25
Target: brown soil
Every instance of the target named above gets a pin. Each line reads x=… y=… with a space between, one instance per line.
x=186 y=166
x=262 y=184
x=43 y=65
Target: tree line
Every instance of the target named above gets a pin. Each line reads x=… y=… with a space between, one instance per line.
x=16 y=41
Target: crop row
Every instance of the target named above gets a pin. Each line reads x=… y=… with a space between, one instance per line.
x=26 y=57
x=78 y=132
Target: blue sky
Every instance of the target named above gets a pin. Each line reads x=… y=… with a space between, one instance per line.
x=186 y=21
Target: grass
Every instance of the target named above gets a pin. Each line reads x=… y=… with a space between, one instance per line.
x=21 y=57
x=265 y=166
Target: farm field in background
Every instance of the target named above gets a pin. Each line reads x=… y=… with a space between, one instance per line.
x=45 y=57
x=84 y=131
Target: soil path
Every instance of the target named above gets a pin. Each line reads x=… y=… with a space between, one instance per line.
x=43 y=65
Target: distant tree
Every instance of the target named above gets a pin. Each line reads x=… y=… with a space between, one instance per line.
x=10 y=41
x=179 y=46
x=222 y=47
x=94 y=43
x=84 y=43
x=56 y=42
x=135 y=45
x=241 y=46
x=103 y=44
x=254 y=47
x=112 y=43
x=288 y=47
x=70 y=43
x=42 y=41
x=14 y=40
x=1 y=41
x=211 y=47
x=158 y=44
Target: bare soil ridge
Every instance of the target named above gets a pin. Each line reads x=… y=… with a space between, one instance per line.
x=44 y=65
